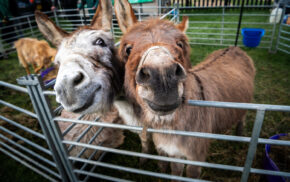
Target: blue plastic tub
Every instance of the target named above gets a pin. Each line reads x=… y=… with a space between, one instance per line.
x=252 y=36
x=269 y=164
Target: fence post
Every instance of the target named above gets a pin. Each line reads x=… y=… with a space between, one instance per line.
x=50 y=129
x=177 y=12
x=30 y=26
x=2 y=50
x=223 y=19
x=279 y=31
x=139 y=13
x=55 y=17
x=253 y=144
x=274 y=29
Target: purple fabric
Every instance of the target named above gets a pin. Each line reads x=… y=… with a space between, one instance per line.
x=45 y=72
x=269 y=164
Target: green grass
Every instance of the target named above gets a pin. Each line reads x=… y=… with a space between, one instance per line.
x=213 y=16
x=272 y=86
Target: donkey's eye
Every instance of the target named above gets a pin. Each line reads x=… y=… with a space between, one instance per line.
x=99 y=42
x=179 y=44
x=128 y=50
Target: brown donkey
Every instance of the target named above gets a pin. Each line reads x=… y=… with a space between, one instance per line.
x=159 y=79
x=89 y=75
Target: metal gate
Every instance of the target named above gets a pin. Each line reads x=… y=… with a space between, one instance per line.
x=64 y=163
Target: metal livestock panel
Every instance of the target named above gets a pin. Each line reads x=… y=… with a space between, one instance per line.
x=46 y=116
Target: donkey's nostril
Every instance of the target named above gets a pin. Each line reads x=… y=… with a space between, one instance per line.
x=143 y=75
x=78 y=79
x=98 y=87
x=179 y=72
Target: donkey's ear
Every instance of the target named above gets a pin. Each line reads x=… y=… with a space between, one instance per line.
x=48 y=28
x=183 y=25
x=103 y=16
x=125 y=14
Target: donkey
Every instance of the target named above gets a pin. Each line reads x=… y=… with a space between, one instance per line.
x=90 y=74
x=159 y=79
x=35 y=52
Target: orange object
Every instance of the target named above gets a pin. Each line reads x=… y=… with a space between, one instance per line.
x=288 y=20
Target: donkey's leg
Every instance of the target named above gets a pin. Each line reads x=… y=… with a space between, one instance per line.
x=193 y=171
x=163 y=166
x=146 y=146
x=176 y=169
x=40 y=65
x=240 y=126
x=34 y=66
x=22 y=61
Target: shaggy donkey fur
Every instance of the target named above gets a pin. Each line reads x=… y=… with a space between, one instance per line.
x=159 y=79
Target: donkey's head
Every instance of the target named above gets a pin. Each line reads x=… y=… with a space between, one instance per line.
x=156 y=54
x=89 y=73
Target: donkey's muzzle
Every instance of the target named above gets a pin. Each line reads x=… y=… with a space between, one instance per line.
x=160 y=80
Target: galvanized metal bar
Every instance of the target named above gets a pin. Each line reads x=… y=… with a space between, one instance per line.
x=239 y=105
x=32 y=32
x=284 y=38
x=282 y=31
x=285 y=51
x=100 y=176
x=274 y=28
x=65 y=132
x=268 y=172
x=137 y=171
x=53 y=129
x=47 y=92
x=28 y=151
x=222 y=28
x=91 y=156
x=166 y=14
x=18 y=109
x=94 y=167
x=80 y=137
x=14 y=87
x=91 y=141
x=224 y=45
x=279 y=32
x=178 y=132
x=37 y=164
x=227 y=22
x=57 y=110
x=32 y=82
x=27 y=165
x=253 y=144
x=226 y=14
x=83 y=134
x=155 y=157
x=50 y=84
x=55 y=18
x=26 y=141
x=39 y=135
x=285 y=45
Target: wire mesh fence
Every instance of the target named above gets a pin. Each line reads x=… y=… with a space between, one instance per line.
x=283 y=42
x=214 y=27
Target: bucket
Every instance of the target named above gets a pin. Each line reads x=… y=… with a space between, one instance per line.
x=269 y=164
x=252 y=36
